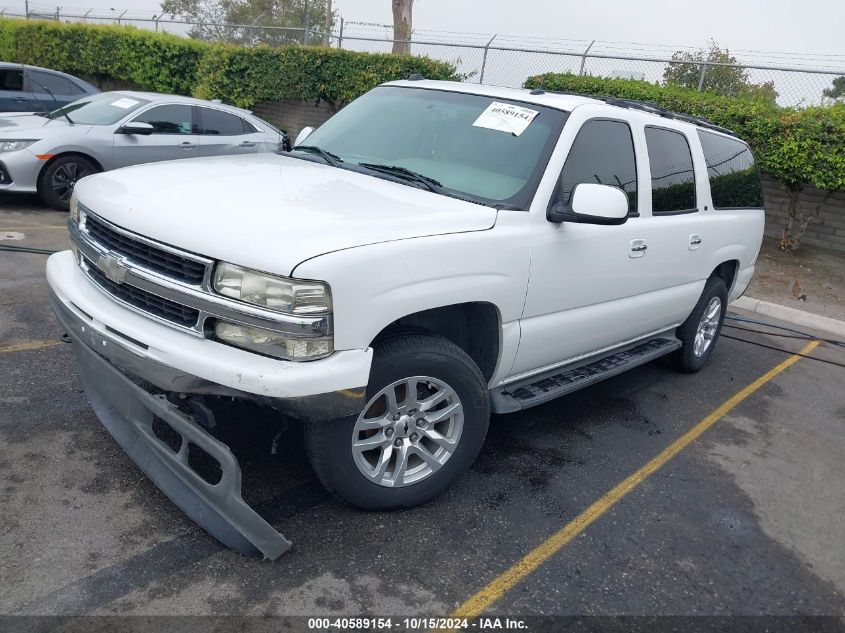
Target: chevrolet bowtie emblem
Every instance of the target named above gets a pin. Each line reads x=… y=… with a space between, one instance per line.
x=113 y=266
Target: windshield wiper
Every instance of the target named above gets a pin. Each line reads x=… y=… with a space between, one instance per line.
x=332 y=159
x=401 y=172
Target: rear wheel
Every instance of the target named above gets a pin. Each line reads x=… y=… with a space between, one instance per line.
x=699 y=333
x=424 y=422
x=59 y=177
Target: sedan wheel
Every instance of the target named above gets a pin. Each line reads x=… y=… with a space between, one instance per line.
x=59 y=177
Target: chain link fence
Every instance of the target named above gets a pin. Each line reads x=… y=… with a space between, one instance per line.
x=799 y=80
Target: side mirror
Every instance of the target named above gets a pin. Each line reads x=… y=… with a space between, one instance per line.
x=592 y=204
x=304 y=133
x=136 y=127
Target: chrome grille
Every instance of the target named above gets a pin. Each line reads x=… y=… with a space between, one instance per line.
x=173 y=265
x=143 y=300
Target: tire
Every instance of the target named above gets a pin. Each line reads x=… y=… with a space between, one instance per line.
x=57 y=179
x=447 y=374
x=692 y=356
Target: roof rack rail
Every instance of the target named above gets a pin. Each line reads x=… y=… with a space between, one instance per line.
x=653 y=108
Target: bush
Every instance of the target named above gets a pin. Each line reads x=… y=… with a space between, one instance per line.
x=170 y=64
x=797 y=147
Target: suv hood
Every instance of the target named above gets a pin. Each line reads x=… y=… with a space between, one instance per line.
x=268 y=211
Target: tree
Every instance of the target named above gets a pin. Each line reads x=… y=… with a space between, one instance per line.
x=837 y=90
x=731 y=81
x=402 y=26
x=240 y=21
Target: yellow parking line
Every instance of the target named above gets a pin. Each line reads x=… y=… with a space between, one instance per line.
x=496 y=588
x=29 y=345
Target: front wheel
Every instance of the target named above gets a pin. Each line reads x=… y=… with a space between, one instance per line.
x=57 y=180
x=424 y=422
x=699 y=333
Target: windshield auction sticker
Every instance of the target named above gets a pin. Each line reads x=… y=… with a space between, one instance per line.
x=505 y=118
x=124 y=103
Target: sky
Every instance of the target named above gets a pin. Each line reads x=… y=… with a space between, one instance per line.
x=801 y=26
x=772 y=25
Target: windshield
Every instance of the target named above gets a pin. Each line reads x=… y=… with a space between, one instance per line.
x=100 y=109
x=464 y=142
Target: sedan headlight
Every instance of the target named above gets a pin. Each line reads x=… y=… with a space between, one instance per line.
x=277 y=344
x=14 y=146
x=281 y=294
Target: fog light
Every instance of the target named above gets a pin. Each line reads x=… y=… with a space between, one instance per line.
x=272 y=343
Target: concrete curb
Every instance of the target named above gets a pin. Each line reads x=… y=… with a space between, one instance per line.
x=791 y=315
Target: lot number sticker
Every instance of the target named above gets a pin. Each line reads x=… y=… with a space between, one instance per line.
x=124 y=103
x=505 y=118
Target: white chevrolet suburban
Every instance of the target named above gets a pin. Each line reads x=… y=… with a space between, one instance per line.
x=434 y=252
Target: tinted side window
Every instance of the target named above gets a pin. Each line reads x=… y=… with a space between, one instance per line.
x=603 y=153
x=220 y=123
x=11 y=79
x=168 y=119
x=56 y=84
x=249 y=128
x=734 y=180
x=672 y=176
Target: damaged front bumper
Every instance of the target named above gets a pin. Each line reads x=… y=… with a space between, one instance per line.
x=112 y=344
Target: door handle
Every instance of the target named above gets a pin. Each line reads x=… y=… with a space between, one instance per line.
x=694 y=241
x=638 y=248
x=247 y=144
x=187 y=145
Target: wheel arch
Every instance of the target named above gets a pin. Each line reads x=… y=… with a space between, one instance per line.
x=64 y=154
x=475 y=327
x=727 y=271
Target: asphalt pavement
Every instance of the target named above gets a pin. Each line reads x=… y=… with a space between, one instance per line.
x=744 y=519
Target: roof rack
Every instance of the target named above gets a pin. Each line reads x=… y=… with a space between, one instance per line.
x=652 y=108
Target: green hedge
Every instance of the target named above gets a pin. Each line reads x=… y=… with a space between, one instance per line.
x=171 y=64
x=797 y=147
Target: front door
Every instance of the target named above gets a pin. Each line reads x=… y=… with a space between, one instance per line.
x=585 y=279
x=173 y=137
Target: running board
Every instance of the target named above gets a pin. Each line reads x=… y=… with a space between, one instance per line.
x=563 y=380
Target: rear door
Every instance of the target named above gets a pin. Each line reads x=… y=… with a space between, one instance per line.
x=63 y=90
x=679 y=243
x=172 y=138
x=222 y=132
x=13 y=97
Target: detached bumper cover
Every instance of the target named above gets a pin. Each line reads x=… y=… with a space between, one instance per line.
x=111 y=343
x=128 y=412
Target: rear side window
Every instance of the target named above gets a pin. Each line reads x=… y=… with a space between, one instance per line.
x=734 y=179
x=11 y=79
x=672 y=175
x=219 y=123
x=603 y=153
x=56 y=84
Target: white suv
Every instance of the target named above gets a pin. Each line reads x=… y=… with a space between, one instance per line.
x=434 y=252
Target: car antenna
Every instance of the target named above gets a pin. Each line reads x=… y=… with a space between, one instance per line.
x=52 y=96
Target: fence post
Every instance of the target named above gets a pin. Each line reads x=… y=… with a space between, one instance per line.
x=340 y=34
x=26 y=8
x=156 y=18
x=484 y=58
x=120 y=17
x=58 y=10
x=584 y=57
x=701 y=77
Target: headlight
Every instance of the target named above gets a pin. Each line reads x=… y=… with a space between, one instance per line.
x=291 y=296
x=74 y=208
x=271 y=343
x=13 y=146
